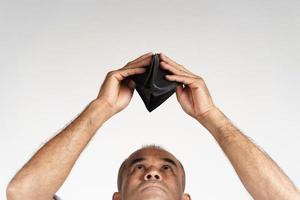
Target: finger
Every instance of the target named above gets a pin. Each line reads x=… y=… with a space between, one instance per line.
x=174 y=70
x=179 y=90
x=121 y=74
x=131 y=84
x=141 y=57
x=186 y=80
x=142 y=63
x=165 y=58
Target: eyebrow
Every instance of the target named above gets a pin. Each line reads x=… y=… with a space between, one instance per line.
x=137 y=160
x=170 y=161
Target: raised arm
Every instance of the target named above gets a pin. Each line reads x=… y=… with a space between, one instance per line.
x=46 y=171
x=260 y=175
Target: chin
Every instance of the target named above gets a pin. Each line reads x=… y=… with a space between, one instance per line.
x=152 y=195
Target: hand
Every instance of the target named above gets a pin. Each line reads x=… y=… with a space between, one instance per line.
x=117 y=90
x=193 y=95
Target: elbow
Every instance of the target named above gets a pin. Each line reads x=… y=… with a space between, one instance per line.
x=13 y=191
x=297 y=196
x=16 y=190
x=294 y=195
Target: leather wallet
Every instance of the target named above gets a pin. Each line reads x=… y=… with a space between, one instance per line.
x=152 y=86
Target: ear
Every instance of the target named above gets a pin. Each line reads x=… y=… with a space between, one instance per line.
x=186 y=197
x=116 y=196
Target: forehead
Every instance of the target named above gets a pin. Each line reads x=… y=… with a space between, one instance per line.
x=152 y=154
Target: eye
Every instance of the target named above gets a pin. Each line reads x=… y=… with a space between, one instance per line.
x=166 y=167
x=139 y=167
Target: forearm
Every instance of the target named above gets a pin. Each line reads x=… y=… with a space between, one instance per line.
x=46 y=171
x=258 y=172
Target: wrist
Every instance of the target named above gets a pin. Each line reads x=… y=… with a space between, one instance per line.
x=102 y=109
x=213 y=120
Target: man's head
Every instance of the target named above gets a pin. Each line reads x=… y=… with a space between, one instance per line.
x=151 y=173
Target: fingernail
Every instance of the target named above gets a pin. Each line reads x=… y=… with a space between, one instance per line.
x=131 y=84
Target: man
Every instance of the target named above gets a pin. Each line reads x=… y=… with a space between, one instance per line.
x=151 y=172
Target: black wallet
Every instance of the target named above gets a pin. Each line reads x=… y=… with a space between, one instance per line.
x=152 y=86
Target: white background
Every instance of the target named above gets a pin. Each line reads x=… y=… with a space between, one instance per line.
x=54 y=56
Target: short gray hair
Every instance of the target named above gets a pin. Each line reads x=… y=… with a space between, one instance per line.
x=151 y=146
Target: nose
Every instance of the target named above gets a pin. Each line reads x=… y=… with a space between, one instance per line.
x=152 y=175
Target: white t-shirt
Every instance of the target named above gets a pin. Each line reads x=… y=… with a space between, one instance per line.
x=56 y=197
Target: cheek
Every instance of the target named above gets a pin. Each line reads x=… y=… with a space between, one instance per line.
x=174 y=187
x=173 y=182
x=131 y=183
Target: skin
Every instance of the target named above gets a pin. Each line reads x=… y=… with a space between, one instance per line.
x=152 y=171
x=46 y=171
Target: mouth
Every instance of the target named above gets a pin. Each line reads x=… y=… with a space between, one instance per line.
x=152 y=186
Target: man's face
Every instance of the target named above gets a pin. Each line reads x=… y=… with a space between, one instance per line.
x=152 y=174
